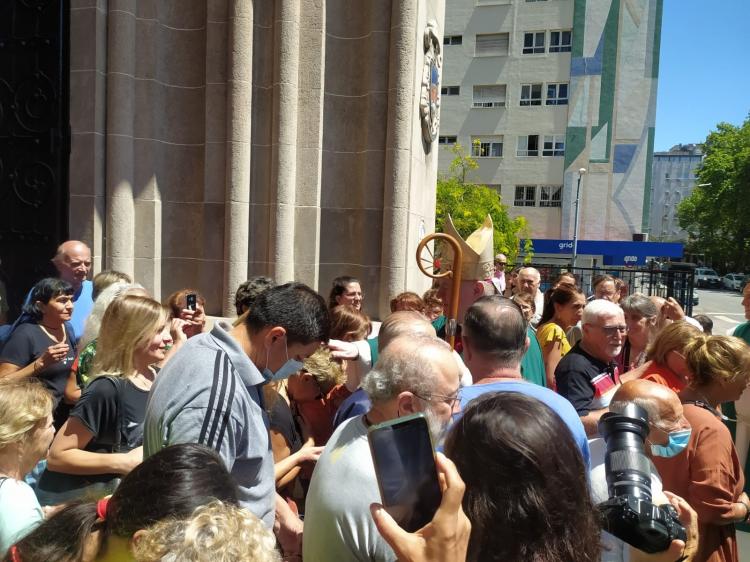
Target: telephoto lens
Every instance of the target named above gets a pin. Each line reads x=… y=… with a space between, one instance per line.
x=626 y=464
x=629 y=513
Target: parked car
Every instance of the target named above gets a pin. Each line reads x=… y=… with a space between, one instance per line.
x=734 y=281
x=705 y=277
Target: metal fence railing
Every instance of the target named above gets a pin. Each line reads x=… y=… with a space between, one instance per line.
x=674 y=280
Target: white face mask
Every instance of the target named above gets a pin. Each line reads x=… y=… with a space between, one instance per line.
x=290 y=367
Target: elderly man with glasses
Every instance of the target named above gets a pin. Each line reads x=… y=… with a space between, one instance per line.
x=588 y=376
x=414 y=373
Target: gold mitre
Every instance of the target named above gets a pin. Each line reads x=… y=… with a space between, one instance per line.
x=478 y=254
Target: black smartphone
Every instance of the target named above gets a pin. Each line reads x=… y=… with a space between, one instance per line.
x=404 y=460
x=192 y=301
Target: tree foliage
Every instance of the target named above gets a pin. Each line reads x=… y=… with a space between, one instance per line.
x=469 y=203
x=717 y=214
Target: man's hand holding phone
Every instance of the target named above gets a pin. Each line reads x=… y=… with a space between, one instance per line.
x=445 y=538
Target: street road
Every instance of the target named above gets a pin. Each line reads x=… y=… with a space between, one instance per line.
x=722 y=306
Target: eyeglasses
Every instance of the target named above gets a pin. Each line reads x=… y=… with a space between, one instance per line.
x=610 y=331
x=450 y=401
x=499 y=263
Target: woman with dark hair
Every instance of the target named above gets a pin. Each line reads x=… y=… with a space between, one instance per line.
x=44 y=345
x=346 y=290
x=171 y=483
x=192 y=321
x=526 y=500
x=563 y=309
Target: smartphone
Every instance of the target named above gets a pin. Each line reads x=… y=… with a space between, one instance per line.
x=192 y=301
x=404 y=460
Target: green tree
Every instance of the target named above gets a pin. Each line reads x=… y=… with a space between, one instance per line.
x=717 y=214
x=469 y=203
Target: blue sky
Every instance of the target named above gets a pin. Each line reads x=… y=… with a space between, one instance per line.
x=704 y=69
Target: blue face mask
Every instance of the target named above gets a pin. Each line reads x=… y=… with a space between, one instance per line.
x=287 y=369
x=678 y=440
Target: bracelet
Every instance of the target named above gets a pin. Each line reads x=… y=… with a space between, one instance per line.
x=36 y=366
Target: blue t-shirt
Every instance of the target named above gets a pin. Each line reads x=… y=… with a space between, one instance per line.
x=560 y=405
x=83 y=303
x=355 y=405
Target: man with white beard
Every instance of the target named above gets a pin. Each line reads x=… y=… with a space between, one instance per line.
x=413 y=374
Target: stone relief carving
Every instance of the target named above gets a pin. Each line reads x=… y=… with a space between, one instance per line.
x=429 y=105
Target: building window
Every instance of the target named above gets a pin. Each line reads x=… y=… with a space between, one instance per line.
x=487 y=147
x=550 y=196
x=495 y=187
x=557 y=94
x=533 y=42
x=528 y=146
x=450 y=90
x=447 y=139
x=531 y=94
x=559 y=41
x=489 y=96
x=492 y=44
x=554 y=145
x=525 y=196
x=453 y=39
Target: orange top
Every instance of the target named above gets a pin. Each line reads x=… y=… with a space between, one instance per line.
x=663 y=375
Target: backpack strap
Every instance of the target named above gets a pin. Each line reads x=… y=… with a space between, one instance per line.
x=119 y=385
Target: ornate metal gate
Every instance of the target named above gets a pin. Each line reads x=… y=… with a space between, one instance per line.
x=34 y=139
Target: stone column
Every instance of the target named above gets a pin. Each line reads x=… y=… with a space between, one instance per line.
x=239 y=104
x=120 y=207
x=285 y=136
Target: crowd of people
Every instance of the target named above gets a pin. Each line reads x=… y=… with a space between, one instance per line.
x=137 y=430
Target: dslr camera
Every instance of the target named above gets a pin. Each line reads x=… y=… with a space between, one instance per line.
x=629 y=514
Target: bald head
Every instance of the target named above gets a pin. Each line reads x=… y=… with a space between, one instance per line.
x=73 y=262
x=663 y=406
x=402 y=323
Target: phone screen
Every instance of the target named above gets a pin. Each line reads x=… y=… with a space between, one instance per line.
x=404 y=462
x=192 y=301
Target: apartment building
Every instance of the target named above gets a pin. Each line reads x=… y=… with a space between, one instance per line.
x=673 y=180
x=538 y=89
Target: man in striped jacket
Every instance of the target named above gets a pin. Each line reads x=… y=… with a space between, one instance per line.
x=210 y=391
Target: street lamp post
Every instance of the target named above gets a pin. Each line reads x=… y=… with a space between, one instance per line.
x=575 y=222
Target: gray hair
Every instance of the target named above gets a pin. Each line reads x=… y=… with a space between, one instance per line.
x=531 y=271
x=94 y=320
x=401 y=323
x=639 y=304
x=407 y=364
x=598 y=308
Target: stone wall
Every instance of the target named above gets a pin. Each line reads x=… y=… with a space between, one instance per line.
x=216 y=140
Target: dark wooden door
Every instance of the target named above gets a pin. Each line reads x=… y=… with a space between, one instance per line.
x=34 y=140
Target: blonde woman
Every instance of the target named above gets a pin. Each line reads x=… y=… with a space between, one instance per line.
x=707 y=472
x=102 y=439
x=26 y=432
x=218 y=531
